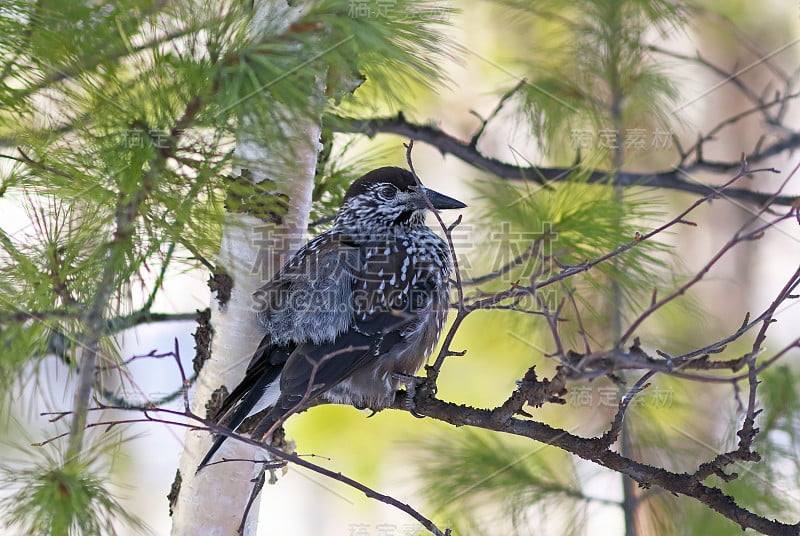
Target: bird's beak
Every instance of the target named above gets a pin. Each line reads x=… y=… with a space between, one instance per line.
x=441 y=201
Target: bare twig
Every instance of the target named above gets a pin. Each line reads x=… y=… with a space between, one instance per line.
x=741 y=236
x=462 y=312
x=612 y=434
x=726 y=76
x=530 y=253
x=499 y=106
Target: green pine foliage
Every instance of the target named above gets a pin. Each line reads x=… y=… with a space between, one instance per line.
x=579 y=222
x=592 y=77
x=145 y=102
x=482 y=470
x=58 y=498
x=594 y=71
x=117 y=127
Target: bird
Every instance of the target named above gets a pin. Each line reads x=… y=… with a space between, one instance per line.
x=353 y=314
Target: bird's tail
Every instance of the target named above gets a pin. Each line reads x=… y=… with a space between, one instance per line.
x=251 y=401
x=275 y=414
x=242 y=410
x=214 y=448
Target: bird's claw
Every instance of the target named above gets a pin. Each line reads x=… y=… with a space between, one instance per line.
x=410 y=383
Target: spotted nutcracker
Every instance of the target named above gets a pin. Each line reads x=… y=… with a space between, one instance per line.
x=354 y=312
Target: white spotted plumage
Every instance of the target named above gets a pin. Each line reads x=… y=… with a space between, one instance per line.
x=357 y=306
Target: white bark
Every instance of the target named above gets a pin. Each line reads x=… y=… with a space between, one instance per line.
x=213 y=501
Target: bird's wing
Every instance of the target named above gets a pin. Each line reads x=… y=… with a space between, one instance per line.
x=386 y=310
x=312 y=369
x=265 y=366
x=296 y=307
x=298 y=304
x=251 y=395
x=309 y=299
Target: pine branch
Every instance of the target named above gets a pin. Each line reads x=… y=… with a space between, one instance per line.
x=673 y=179
x=593 y=449
x=126 y=213
x=90 y=64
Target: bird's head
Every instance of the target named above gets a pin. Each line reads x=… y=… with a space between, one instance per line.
x=388 y=198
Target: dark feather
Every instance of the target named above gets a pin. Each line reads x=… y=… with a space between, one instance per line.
x=352 y=309
x=264 y=368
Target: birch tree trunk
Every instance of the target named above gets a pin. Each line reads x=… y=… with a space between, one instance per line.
x=213 y=501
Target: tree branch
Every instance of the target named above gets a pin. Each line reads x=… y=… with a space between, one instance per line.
x=673 y=179
x=592 y=449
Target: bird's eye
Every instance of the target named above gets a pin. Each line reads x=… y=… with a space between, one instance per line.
x=387 y=192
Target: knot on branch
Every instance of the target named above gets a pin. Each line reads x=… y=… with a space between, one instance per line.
x=534 y=392
x=717 y=467
x=427 y=389
x=635 y=350
x=215 y=402
x=720 y=462
x=174 y=490
x=746 y=435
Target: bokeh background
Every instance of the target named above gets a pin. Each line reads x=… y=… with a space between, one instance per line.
x=679 y=424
